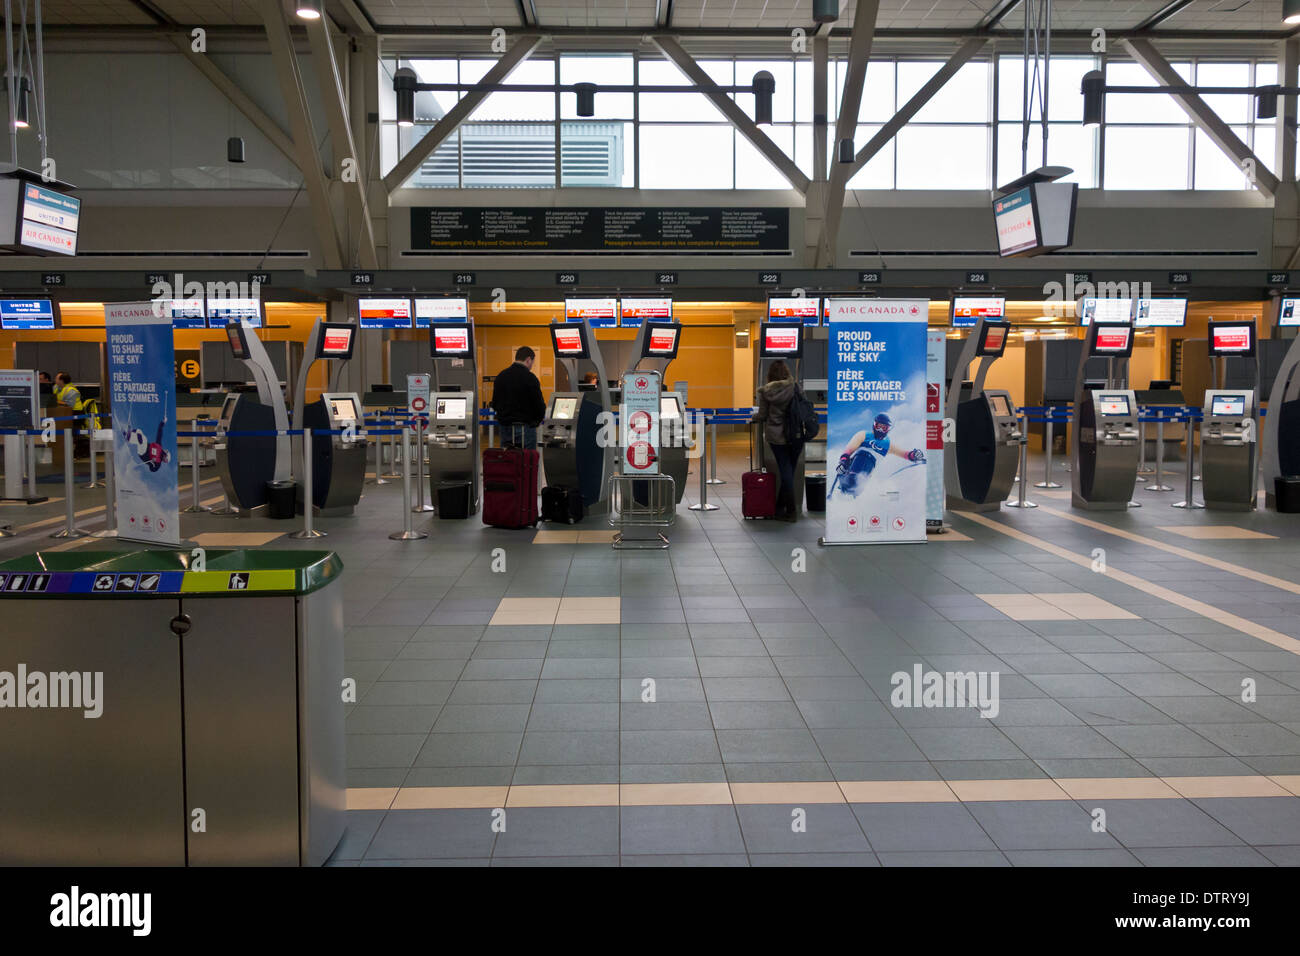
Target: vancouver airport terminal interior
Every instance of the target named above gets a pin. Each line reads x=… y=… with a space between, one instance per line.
x=914 y=479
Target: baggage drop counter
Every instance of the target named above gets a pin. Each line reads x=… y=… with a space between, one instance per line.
x=171 y=716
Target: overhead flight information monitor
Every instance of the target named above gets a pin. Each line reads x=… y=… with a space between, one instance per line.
x=1232 y=338
x=1116 y=342
x=26 y=315
x=185 y=313
x=221 y=311
x=804 y=309
x=995 y=339
x=1106 y=312
x=968 y=310
x=781 y=341
x=633 y=311
x=451 y=341
x=599 y=313
x=1288 y=312
x=570 y=341
x=388 y=313
x=431 y=309
x=1161 y=313
x=336 y=341
x=662 y=341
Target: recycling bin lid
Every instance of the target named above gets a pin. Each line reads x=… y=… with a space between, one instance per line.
x=167 y=573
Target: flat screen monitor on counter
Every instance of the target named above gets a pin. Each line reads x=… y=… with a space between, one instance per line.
x=1232 y=338
x=570 y=341
x=447 y=340
x=1115 y=341
x=661 y=341
x=782 y=340
x=336 y=341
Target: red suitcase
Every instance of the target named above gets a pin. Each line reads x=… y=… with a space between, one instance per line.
x=510 y=487
x=757 y=488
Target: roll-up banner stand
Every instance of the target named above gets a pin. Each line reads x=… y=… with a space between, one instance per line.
x=936 y=355
x=639 y=423
x=142 y=386
x=877 y=421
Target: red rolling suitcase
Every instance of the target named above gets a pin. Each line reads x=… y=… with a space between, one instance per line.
x=510 y=487
x=757 y=488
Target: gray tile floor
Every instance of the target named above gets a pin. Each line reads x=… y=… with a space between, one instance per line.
x=762 y=673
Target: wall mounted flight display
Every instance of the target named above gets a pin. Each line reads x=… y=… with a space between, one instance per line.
x=599 y=313
x=222 y=311
x=1106 y=311
x=968 y=310
x=876 y=421
x=633 y=311
x=541 y=229
x=184 y=313
x=384 y=313
x=26 y=315
x=1288 y=314
x=37 y=220
x=1161 y=313
x=805 y=309
x=430 y=309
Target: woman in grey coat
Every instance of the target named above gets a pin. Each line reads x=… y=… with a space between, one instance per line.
x=773 y=403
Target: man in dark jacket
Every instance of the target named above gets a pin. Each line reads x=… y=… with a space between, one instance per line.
x=517 y=400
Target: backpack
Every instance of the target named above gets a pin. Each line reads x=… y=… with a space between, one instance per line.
x=801 y=423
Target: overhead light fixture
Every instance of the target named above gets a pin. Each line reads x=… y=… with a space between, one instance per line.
x=764 y=90
x=1266 y=102
x=308 y=9
x=1093 y=89
x=586 y=93
x=847 y=155
x=404 y=84
x=826 y=11
x=21 y=120
x=1291 y=11
x=235 y=149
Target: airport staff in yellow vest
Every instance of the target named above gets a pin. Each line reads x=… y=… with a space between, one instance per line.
x=65 y=393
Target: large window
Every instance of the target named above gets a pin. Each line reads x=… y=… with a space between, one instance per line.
x=969 y=135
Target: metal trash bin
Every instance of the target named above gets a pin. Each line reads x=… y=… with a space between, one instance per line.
x=281 y=499
x=199 y=714
x=1286 y=495
x=815 y=491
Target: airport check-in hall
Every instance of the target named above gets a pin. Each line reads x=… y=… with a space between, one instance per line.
x=860 y=434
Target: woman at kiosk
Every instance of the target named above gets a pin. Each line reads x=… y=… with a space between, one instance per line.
x=773 y=401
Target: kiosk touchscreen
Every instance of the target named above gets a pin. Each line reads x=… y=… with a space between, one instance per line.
x=336 y=341
x=563 y=409
x=343 y=410
x=661 y=341
x=570 y=342
x=783 y=340
x=451 y=340
x=1232 y=339
x=1229 y=451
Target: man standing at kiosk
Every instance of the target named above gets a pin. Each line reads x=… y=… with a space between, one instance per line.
x=517 y=400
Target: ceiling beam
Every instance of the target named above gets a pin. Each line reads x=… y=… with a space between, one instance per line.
x=467 y=104
x=1163 y=14
x=304 y=135
x=1206 y=119
x=996 y=14
x=913 y=106
x=358 y=15
x=855 y=76
x=732 y=111
x=153 y=13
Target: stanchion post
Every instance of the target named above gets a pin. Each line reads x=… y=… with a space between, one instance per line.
x=1189 y=501
x=31 y=465
x=70 y=529
x=1020 y=501
x=406 y=534
x=420 y=507
x=379 y=462
x=94 y=477
x=110 y=496
x=195 y=507
x=711 y=430
x=308 y=507
x=703 y=503
x=1142 y=451
x=1160 y=455
x=1048 y=445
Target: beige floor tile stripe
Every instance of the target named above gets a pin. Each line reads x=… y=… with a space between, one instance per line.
x=1237 y=569
x=815 y=792
x=1266 y=634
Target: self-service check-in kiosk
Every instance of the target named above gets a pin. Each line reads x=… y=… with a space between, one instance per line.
x=654 y=349
x=980 y=465
x=578 y=450
x=247 y=463
x=452 y=438
x=338 y=466
x=782 y=341
x=1229 y=462
x=1105 y=441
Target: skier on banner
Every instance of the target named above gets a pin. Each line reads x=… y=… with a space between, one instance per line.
x=861 y=455
x=151 y=453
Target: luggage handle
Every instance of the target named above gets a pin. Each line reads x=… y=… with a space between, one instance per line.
x=756 y=439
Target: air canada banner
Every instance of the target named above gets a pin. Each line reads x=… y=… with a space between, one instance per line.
x=876 y=421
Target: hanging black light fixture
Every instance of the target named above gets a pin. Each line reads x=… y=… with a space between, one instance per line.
x=308 y=9
x=847 y=154
x=826 y=11
x=235 y=149
x=1266 y=101
x=586 y=93
x=764 y=89
x=404 y=84
x=21 y=120
x=1093 y=88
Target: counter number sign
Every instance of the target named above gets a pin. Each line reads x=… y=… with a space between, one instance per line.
x=566 y=278
x=769 y=278
x=977 y=278
x=869 y=278
x=1279 y=278
x=665 y=278
x=1180 y=278
x=363 y=278
x=53 y=278
x=465 y=278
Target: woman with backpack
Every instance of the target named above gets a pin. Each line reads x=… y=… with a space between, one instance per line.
x=774 y=398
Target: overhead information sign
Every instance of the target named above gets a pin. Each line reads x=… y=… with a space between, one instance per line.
x=542 y=229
